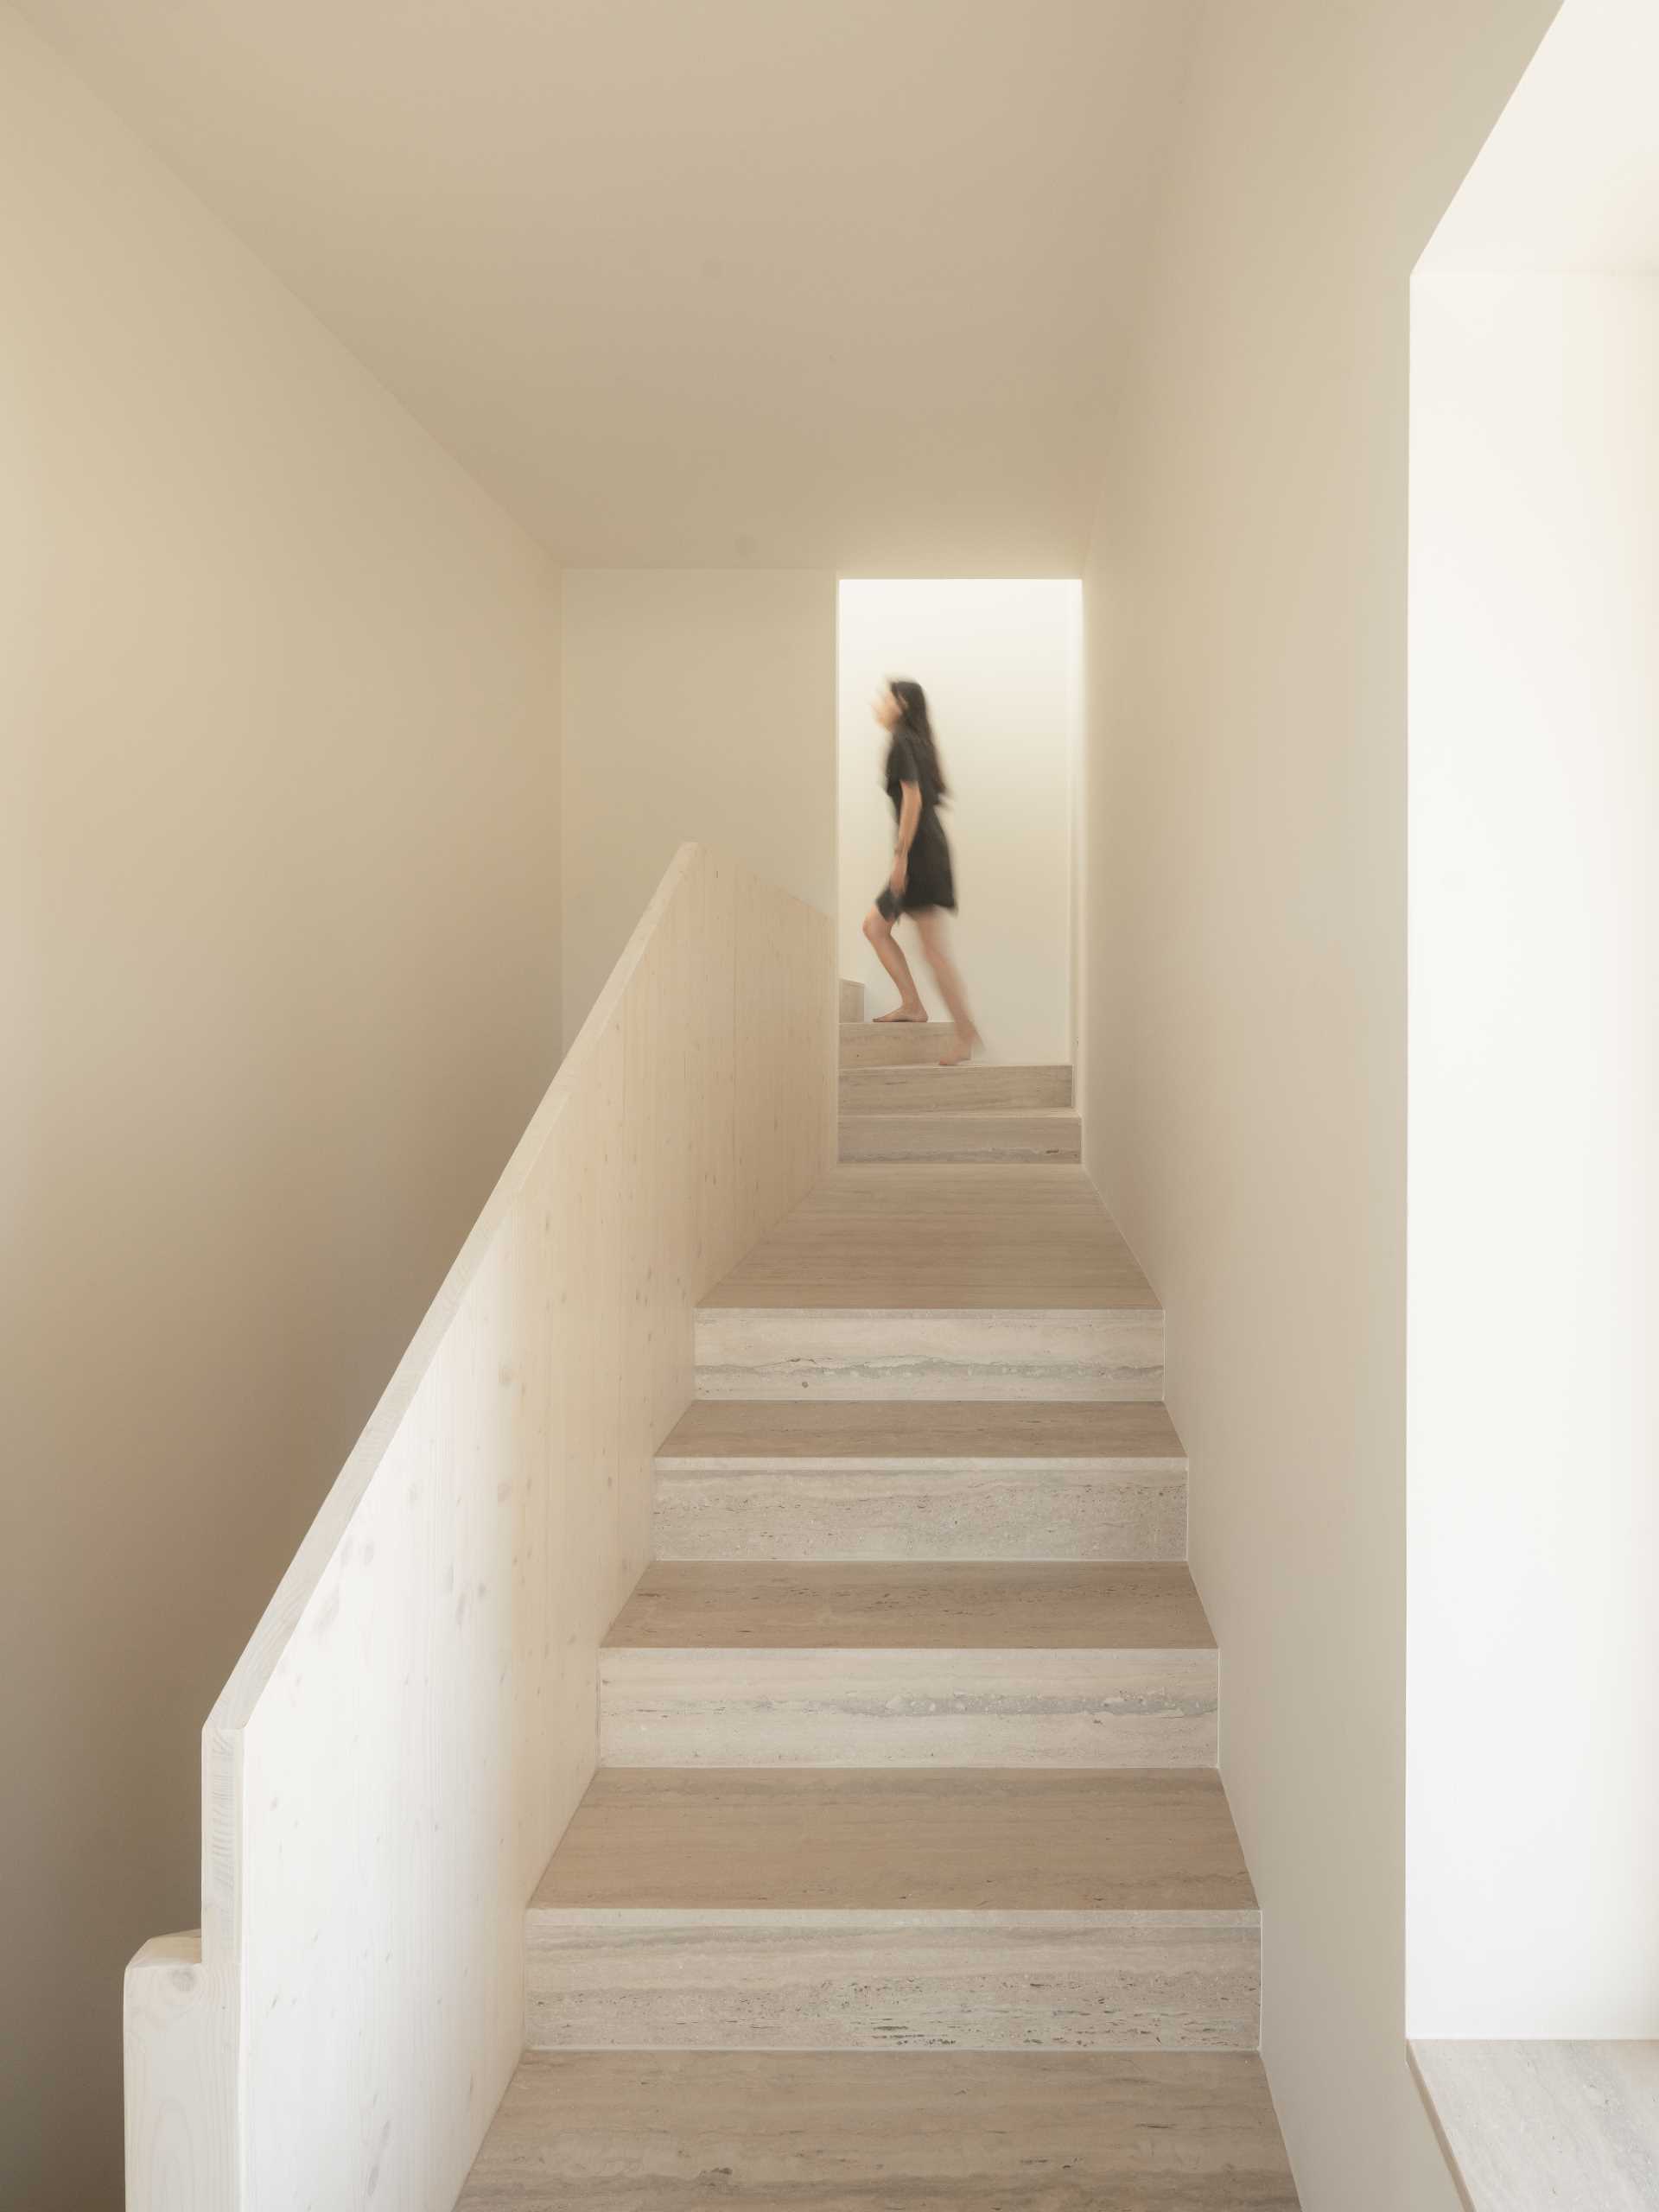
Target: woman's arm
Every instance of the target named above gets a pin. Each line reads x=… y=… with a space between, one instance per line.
x=910 y=813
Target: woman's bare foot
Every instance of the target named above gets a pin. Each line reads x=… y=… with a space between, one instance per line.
x=904 y=1014
x=963 y=1046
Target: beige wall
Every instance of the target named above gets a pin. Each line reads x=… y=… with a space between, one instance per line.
x=1244 y=958
x=278 y=706
x=698 y=703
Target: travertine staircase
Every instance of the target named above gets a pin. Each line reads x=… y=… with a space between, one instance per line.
x=897 y=1103
x=907 y=1879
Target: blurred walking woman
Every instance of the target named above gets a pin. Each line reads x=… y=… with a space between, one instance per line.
x=921 y=884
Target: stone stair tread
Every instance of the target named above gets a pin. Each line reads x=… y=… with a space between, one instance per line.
x=901 y=1840
x=865 y=2130
x=1142 y=1605
x=918 y=1434
x=931 y=1237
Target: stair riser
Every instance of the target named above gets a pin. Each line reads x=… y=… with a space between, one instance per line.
x=1034 y=1138
x=912 y=1708
x=852 y=1002
x=893 y=1044
x=1093 y=1353
x=887 y=1513
x=970 y=1090
x=779 y=1981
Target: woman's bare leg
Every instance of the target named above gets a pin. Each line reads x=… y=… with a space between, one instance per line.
x=948 y=977
x=879 y=930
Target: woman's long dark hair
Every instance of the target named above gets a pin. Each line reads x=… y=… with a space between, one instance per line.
x=913 y=722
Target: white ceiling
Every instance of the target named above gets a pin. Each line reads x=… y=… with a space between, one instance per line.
x=704 y=282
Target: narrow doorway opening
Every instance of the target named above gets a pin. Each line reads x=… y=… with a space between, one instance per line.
x=998 y=661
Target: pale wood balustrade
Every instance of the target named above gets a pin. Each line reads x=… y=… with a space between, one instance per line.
x=413 y=1721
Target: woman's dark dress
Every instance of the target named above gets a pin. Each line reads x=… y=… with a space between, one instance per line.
x=928 y=882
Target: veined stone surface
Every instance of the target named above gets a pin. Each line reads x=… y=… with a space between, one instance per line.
x=896 y=1839
x=936 y=1236
x=892 y=1044
x=908 y=1734
x=974 y=1088
x=1542 y=2125
x=1098 y=1353
x=1038 y=1134
x=910 y=1708
x=1044 y=1605
x=853 y=1979
x=851 y=2131
x=893 y=1480
x=796 y=1512
x=899 y=1434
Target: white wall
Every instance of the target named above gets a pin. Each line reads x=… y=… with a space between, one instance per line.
x=998 y=661
x=1244 y=1098
x=1534 y=1196
x=278 y=784
x=699 y=703
x=1534 y=1158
